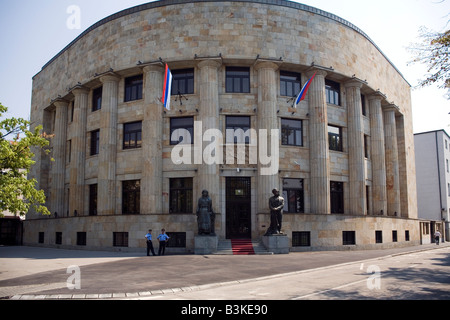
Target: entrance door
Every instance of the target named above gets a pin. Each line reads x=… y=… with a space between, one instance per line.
x=238 y=208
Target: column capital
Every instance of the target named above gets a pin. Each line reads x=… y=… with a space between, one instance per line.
x=317 y=71
x=354 y=82
x=266 y=65
x=391 y=107
x=377 y=96
x=59 y=102
x=214 y=63
x=153 y=67
x=109 y=77
x=79 y=89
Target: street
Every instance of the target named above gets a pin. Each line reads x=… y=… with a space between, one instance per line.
x=420 y=275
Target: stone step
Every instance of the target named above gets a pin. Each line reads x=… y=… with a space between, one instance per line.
x=224 y=247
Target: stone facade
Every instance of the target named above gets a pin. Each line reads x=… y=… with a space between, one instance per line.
x=374 y=166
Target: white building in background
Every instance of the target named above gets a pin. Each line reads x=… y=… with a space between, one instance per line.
x=433 y=178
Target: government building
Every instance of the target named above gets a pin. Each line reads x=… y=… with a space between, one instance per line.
x=343 y=158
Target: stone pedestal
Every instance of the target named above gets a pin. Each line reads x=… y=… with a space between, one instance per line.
x=205 y=244
x=278 y=244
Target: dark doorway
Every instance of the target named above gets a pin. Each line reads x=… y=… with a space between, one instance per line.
x=238 y=208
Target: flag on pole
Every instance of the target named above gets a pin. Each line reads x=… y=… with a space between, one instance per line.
x=301 y=96
x=167 y=88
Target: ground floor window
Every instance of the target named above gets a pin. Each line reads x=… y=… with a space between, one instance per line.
x=177 y=239
x=181 y=195
x=58 y=238
x=337 y=197
x=378 y=236
x=120 y=239
x=348 y=238
x=81 y=238
x=131 y=197
x=293 y=195
x=301 y=239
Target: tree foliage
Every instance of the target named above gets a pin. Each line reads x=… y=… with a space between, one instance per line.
x=434 y=52
x=18 y=193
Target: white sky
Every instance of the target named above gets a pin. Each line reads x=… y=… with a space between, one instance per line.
x=32 y=32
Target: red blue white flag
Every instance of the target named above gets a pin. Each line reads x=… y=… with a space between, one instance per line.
x=167 y=88
x=301 y=96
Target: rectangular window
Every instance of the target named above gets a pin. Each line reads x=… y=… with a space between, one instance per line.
x=337 y=197
x=301 y=239
x=237 y=130
x=95 y=142
x=131 y=197
x=378 y=236
x=366 y=147
x=394 y=236
x=335 y=138
x=363 y=105
x=120 y=239
x=181 y=195
x=182 y=81
x=182 y=130
x=289 y=83
x=348 y=238
x=41 y=237
x=237 y=80
x=293 y=195
x=406 y=235
x=97 y=99
x=81 y=238
x=291 y=132
x=177 y=239
x=133 y=88
x=333 y=91
x=58 y=237
x=132 y=135
x=93 y=192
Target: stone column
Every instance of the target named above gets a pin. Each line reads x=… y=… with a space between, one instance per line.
x=59 y=154
x=379 y=197
x=319 y=148
x=209 y=174
x=356 y=167
x=108 y=146
x=77 y=166
x=267 y=120
x=392 y=170
x=152 y=131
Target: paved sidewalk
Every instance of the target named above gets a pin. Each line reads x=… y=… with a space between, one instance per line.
x=41 y=273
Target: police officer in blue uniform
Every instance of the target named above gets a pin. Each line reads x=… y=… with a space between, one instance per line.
x=148 y=236
x=162 y=238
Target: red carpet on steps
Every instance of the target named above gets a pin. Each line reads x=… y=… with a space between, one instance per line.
x=242 y=246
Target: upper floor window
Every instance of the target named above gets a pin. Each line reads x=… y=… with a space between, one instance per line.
x=291 y=132
x=97 y=99
x=333 y=91
x=183 y=81
x=133 y=88
x=238 y=130
x=182 y=130
x=95 y=142
x=237 y=80
x=289 y=83
x=335 y=138
x=132 y=135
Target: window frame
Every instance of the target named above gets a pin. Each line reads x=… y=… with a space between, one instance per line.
x=298 y=192
x=235 y=82
x=289 y=84
x=333 y=92
x=129 y=132
x=186 y=75
x=95 y=142
x=174 y=126
x=335 y=140
x=133 y=88
x=97 y=97
x=337 y=197
x=131 y=197
x=244 y=127
x=284 y=128
x=181 y=198
x=93 y=199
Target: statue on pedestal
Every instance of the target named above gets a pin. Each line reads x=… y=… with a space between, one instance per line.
x=276 y=205
x=205 y=215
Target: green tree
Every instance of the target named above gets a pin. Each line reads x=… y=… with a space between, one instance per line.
x=18 y=194
x=434 y=52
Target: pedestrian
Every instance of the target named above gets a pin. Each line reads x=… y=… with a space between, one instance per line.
x=148 y=236
x=437 y=235
x=162 y=238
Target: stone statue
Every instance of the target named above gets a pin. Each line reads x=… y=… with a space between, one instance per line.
x=276 y=205
x=205 y=215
